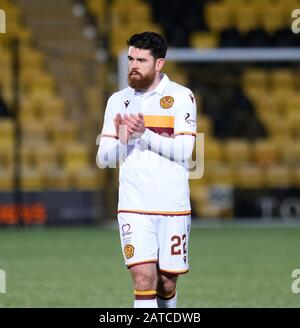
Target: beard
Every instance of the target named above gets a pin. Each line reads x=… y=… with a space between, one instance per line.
x=140 y=82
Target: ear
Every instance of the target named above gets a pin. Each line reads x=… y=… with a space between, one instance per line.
x=159 y=64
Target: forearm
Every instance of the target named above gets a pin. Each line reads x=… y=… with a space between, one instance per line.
x=110 y=151
x=179 y=148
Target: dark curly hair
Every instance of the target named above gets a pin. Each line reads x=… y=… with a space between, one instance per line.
x=151 y=41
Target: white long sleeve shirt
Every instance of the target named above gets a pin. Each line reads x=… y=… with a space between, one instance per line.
x=153 y=168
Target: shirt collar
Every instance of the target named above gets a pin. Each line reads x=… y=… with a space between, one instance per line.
x=162 y=85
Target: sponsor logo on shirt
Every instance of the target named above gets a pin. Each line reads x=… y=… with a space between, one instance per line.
x=189 y=120
x=126 y=103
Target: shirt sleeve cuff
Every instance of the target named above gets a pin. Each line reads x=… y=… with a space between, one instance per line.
x=146 y=136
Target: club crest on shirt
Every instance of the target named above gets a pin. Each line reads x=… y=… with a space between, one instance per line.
x=128 y=251
x=166 y=102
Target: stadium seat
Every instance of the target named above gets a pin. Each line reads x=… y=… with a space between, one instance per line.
x=276 y=21
x=265 y=153
x=45 y=155
x=245 y=18
x=213 y=152
x=254 y=77
x=56 y=178
x=249 y=176
x=6 y=153
x=6 y=179
x=219 y=174
x=63 y=132
x=217 y=16
x=296 y=176
x=278 y=176
x=283 y=96
x=292 y=104
x=279 y=126
x=236 y=152
x=33 y=130
x=204 y=40
x=282 y=79
x=31 y=179
x=89 y=179
x=96 y=6
x=6 y=129
x=291 y=153
x=75 y=157
x=27 y=154
x=293 y=119
x=52 y=108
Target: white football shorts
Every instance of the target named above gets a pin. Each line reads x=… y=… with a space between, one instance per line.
x=155 y=238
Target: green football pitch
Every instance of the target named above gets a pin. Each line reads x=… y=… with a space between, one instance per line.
x=83 y=267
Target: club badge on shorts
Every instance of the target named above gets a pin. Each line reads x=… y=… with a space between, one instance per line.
x=166 y=102
x=128 y=251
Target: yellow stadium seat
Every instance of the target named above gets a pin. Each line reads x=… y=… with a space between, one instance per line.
x=31 y=57
x=56 y=178
x=286 y=8
x=281 y=142
x=212 y=152
x=118 y=40
x=261 y=5
x=89 y=179
x=33 y=131
x=45 y=155
x=279 y=127
x=217 y=16
x=268 y=106
x=256 y=93
x=62 y=132
x=139 y=13
x=43 y=83
x=98 y=7
x=6 y=179
x=52 y=108
x=31 y=179
x=26 y=153
x=276 y=22
x=291 y=153
x=236 y=152
x=76 y=157
x=6 y=129
x=219 y=174
x=293 y=119
x=265 y=152
x=28 y=109
x=282 y=78
x=245 y=18
x=296 y=176
x=249 y=176
x=204 y=40
x=6 y=153
x=292 y=104
x=255 y=77
x=283 y=96
x=278 y=176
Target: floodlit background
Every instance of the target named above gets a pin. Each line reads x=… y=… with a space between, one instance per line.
x=60 y=60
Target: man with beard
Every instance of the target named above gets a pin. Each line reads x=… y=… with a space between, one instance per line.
x=150 y=128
